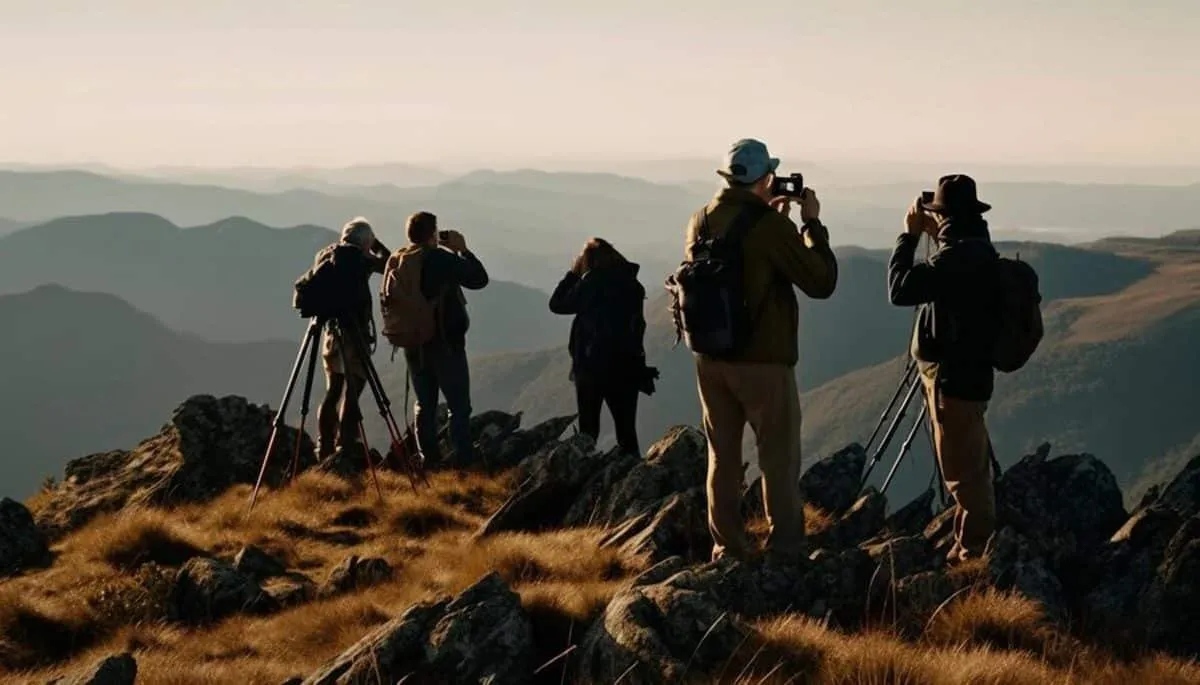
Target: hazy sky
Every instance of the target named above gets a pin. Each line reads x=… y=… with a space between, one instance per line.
x=275 y=82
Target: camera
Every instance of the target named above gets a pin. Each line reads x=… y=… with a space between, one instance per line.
x=926 y=197
x=443 y=236
x=791 y=185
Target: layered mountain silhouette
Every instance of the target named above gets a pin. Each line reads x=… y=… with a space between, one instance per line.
x=85 y=372
x=227 y=281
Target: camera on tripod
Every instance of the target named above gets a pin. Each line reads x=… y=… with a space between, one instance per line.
x=791 y=185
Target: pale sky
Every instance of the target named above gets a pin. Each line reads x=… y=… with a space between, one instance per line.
x=274 y=82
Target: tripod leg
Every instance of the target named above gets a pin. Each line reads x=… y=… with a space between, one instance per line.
x=905 y=447
x=305 y=398
x=904 y=380
x=891 y=432
x=368 y=367
x=362 y=434
x=305 y=344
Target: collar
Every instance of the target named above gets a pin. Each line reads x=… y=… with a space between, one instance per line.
x=737 y=196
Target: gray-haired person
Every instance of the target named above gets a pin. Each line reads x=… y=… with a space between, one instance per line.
x=339 y=415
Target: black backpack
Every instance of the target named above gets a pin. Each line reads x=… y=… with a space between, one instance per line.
x=329 y=290
x=608 y=335
x=1019 y=327
x=708 y=298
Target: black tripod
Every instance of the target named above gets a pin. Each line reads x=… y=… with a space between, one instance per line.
x=399 y=452
x=912 y=381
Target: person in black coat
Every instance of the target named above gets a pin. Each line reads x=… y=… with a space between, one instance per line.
x=608 y=358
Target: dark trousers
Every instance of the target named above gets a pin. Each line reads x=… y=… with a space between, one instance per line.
x=442 y=370
x=621 y=396
x=339 y=415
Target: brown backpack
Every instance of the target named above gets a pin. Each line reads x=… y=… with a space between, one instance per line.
x=409 y=318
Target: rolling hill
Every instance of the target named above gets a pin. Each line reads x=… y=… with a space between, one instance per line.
x=86 y=372
x=227 y=281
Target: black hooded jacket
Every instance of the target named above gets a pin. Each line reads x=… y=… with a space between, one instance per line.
x=609 y=327
x=955 y=292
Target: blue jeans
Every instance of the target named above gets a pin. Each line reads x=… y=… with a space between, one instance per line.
x=442 y=370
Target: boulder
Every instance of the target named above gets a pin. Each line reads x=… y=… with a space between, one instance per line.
x=833 y=483
x=677 y=527
x=1182 y=494
x=207 y=446
x=550 y=483
x=351 y=462
x=22 y=544
x=1172 y=601
x=586 y=508
x=355 y=573
x=256 y=563
x=659 y=633
x=912 y=518
x=483 y=635
x=900 y=557
x=290 y=590
x=863 y=520
x=119 y=669
x=675 y=464
x=1068 y=507
x=207 y=590
x=1016 y=563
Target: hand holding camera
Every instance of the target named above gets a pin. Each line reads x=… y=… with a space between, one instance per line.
x=452 y=240
x=790 y=188
x=917 y=220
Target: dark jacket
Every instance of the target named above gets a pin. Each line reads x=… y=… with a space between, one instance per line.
x=776 y=256
x=446 y=273
x=607 y=334
x=955 y=291
x=361 y=265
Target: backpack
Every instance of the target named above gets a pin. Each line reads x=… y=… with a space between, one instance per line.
x=327 y=289
x=409 y=318
x=1018 y=315
x=708 y=299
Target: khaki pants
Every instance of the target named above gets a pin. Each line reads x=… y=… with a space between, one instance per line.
x=766 y=397
x=964 y=456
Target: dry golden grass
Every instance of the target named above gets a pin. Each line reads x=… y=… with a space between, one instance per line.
x=101 y=596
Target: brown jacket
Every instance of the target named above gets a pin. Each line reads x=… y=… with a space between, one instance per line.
x=777 y=255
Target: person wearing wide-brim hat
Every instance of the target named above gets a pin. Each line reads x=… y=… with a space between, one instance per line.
x=952 y=343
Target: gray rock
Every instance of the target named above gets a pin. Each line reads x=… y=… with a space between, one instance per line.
x=679 y=526
x=675 y=464
x=207 y=446
x=586 y=508
x=900 y=557
x=291 y=590
x=550 y=483
x=254 y=562
x=1172 y=601
x=1068 y=507
x=355 y=573
x=22 y=544
x=1016 y=563
x=351 y=461
x=832 y=484
x=660 y=571
x=1182 y=494
x=912 y=518
x=500 y=445
x=389 y=654
x=120 y=669
x=482 y=635
x=206 y=590
x=659 y=634
x=864 y=519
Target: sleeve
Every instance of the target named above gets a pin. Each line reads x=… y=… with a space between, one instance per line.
x=469 y=271
x=804 y=258
x=910 y=284
x=565 y=299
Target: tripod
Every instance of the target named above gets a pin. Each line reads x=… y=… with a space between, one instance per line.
x=309 y=347
x=912 y=381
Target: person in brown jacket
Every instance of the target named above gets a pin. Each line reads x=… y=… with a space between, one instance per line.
x=758 y=384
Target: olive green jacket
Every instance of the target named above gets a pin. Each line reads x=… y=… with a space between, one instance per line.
x=777 y=256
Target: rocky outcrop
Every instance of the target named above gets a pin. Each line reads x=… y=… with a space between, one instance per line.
x=207 y=590
x=483 y=635
x=499 y=441
x=208 y=445
x=550 y=481
x=22 y=545
x=254 y=562
x=353 y=574
x=119 y=669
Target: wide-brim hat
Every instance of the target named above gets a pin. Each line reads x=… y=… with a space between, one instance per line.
x=956 y=194
x=747 y=161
